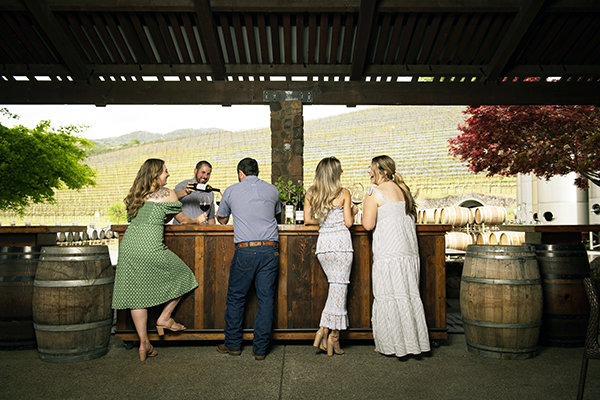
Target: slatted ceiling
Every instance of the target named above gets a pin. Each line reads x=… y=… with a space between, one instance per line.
x=446 y=44
x=576 y=27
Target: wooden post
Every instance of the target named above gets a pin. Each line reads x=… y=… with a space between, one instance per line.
x=287 y=141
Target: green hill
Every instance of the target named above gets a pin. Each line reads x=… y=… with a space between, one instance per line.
x=415 y=136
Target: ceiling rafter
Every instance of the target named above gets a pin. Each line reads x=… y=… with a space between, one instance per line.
x=208 y=30
x=366 y=18
x=513 y=38
x=45 y=18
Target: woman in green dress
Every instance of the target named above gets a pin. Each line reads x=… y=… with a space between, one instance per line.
x=149 y=274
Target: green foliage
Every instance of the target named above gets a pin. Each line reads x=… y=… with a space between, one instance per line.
x=133 y=142
x=288 y=192
x=117 y=213
x=35 y=162
x=543 y=140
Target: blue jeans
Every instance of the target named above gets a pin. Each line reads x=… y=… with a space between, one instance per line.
x=260 y=265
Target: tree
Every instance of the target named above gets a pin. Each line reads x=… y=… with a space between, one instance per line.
x=543 y=140
x=36 y=162
x=117 y=213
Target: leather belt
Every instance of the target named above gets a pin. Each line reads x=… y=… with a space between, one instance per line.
x=256 y=243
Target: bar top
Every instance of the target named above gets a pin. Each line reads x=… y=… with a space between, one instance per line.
x=545 y=228
x=421 y=228
x=41 y=229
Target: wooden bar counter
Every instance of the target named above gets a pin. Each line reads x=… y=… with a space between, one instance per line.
x=301 y=288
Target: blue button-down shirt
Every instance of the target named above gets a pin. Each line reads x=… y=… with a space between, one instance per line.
x=253 y=204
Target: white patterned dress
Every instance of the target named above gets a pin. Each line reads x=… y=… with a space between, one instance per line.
x=398 y=318
x=334 y=251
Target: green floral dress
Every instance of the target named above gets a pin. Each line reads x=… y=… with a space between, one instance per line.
x=148 y=273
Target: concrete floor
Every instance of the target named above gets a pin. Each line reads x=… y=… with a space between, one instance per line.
x=297 y=371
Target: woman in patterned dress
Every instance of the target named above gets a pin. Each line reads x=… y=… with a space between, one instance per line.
x=398 y=318
x=329 y=205
x=148 y=274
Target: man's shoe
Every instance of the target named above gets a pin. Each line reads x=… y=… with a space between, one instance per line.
x=221 y=348
x=258 y=357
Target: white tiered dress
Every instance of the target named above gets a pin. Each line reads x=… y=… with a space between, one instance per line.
x=334 y=251
x=398 y=318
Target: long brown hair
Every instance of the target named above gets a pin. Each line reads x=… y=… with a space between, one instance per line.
x=145 y=182
x=326 y=187
x=387 y=167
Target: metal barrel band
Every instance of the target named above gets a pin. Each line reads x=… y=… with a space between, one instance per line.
x=501 y=257
x=16 y=278
x=565 y=276
x=499 y=349
x=567 y=316
x=73 y=327
x=45 y=257
x=494 y=281
x=70 y=351
x=486 y=324
x=74 y=282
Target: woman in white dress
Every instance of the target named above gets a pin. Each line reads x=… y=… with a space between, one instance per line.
x=329 y=205
x=398 y=318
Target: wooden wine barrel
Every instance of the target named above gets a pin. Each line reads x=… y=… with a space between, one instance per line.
x=501 y=301
x=17 y=271
x=510 y=238
x=428 y=216
x=494 y=238
x=72 y=295
x=566 y=309
x=458 y=240
x=483 y=237
x=456 y=216
x=437 y=212
x=491 y=215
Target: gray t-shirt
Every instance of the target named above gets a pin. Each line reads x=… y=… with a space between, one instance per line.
x=253 y=204
x=191 y=203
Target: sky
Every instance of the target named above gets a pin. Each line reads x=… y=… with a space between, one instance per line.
x=116 y=120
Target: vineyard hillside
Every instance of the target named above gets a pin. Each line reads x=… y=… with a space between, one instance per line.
x=415 y=136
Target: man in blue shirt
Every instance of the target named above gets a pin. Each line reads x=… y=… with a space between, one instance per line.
x=253 y=204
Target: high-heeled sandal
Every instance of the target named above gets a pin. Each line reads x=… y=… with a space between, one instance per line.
x=333 y=346
x=320 y=338
x=151 y=352
x=172 y=326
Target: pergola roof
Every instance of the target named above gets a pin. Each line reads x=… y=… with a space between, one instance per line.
x=320 y=51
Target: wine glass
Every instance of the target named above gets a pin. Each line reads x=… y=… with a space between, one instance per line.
x=357 y=194
x=204 y=205
x=217 y=198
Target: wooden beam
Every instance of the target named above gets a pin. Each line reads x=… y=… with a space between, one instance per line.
x=293 y=6
x=208 y=32
x=330 y=93
x=521 y=24
x=366 y=19
x=45 y=18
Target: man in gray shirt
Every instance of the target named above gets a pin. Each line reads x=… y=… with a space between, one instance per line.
x=192 y=203
x=254 y=204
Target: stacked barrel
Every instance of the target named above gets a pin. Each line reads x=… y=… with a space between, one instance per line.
x=471 y=225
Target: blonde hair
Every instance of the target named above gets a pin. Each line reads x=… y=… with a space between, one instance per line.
x=145 y=182
x=326 y=187
x=387 y=167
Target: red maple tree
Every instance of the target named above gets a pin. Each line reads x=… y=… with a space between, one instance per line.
x=543 y=140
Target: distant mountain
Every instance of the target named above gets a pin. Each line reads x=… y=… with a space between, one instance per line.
x=148 y=137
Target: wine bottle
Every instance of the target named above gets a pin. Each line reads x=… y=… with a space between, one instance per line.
x=300 y=210
x=204 y=187
x=289 y=213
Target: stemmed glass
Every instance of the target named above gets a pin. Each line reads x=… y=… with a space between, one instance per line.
x=357 y=194
x=204 y=205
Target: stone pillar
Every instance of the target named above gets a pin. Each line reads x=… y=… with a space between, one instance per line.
x=287 y=141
